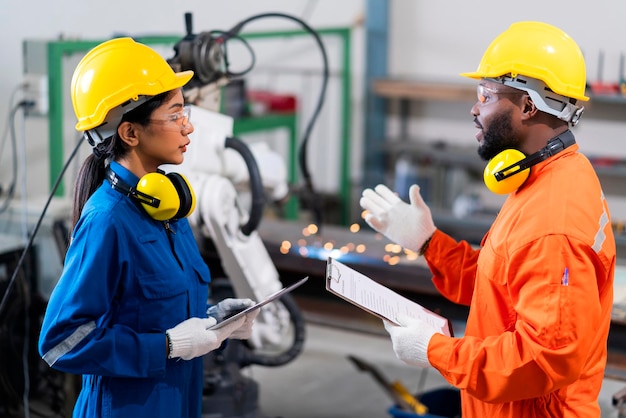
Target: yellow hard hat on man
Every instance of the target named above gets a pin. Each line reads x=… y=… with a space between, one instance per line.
x=542 y=60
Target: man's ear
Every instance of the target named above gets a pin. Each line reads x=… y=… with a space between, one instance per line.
x=528 y=108
x=127 y=133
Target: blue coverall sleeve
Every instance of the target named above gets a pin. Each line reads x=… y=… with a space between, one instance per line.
x=78 y=334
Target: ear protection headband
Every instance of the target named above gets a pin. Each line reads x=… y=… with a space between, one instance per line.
x=508 y=170
x=162 y=196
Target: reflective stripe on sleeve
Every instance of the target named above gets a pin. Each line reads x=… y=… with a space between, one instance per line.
x=600 y=235
x=69 y=343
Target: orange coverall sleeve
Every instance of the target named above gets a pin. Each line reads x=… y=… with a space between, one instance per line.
x=531 y=324
x=453 y=267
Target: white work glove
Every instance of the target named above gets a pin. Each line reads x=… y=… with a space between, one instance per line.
x=192 y=338
x=410 y=340
x=231 y=306
x=409 y=225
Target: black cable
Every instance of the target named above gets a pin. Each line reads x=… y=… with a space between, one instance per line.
x=36 y=228
x=25 y=349
x=12 y=343
x=222 y=38
x=309 y=191
x=256 y=184
x=12 y=185
x=11 y=192
x=18 y=266
x=5 y=134
x=297 y=345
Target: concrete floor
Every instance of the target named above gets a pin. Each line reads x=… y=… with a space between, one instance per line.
x=323 y=382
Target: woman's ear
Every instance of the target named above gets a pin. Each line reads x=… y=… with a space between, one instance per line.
x=127 y=133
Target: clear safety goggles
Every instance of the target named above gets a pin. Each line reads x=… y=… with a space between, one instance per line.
x=488 y=95
x=180 y=119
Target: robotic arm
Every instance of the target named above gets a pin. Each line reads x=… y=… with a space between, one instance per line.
x=206 y=54
x=214 y=164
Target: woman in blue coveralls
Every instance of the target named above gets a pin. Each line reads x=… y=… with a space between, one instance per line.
x=129 y=312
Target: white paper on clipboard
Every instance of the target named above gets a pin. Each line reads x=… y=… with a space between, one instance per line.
x=373 y=297
x=258 y=305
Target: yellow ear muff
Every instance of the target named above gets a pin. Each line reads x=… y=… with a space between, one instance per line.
x=161 y=188
x=504 y=165
x=185 y=194
x=162 y=196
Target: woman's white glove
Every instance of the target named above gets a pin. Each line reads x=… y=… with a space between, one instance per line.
x=410 y=340
x=231 y=306
x=192 y=338
x=245 y=330
x=409 y=225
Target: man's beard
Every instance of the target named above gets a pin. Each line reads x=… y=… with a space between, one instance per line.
x=498 y=137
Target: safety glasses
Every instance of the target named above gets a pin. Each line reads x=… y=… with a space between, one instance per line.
x=180 y=119
x=488 y=95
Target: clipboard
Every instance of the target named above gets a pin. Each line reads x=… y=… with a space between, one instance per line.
x=260 y=304
x=378 y=300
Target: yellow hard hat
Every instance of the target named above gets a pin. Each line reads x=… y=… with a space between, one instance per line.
x=116 y=72
x=540 y=51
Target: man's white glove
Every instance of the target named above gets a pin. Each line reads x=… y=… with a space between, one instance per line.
x=231 y=306
x=409 y=225
x=410 y=340
x=193 y=338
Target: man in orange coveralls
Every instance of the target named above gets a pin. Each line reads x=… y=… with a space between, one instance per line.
x=540 y=287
